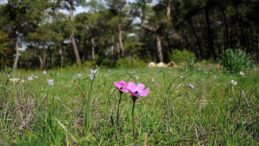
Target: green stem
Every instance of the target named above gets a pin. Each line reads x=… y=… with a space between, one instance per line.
x=118 y=110
x=87 y=107
x=133 y=121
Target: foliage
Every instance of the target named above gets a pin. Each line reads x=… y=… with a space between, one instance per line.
x=130 y=62
x=235 y=60
x=119 y=28
x=5 y=44
x=184 y=56
x=89 y=63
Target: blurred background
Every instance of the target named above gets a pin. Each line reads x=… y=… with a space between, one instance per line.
x=113 y=33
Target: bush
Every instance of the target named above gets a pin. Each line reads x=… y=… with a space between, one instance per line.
x=89 y=63
x=235 y=60
x=130 y=62
x=108 y=62
x=183 y=57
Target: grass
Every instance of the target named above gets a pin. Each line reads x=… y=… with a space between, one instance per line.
x=73 y=113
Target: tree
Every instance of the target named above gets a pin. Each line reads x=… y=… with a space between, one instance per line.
x=71 y=5
x=21 y=17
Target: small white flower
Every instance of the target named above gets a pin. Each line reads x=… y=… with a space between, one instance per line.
x=30 y=78
x=79 y=75
x=16 y=80
x=241 y=73
x=44 y=72
x=191 y=86
x=50 y=82
x=233 y=82
x=91 y=76
x=93 y=73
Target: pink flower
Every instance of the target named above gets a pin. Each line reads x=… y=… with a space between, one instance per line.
x=121 y=86
x=137 y=90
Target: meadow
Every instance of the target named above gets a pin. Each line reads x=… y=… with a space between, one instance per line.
x=185 y=106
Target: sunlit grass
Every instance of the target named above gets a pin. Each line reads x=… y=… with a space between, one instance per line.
x=212 y=112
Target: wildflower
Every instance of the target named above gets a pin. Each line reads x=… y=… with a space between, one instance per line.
x=44 y=72
x=93 y=73
x=241 y=73
x=191 y=86
x=79 y=75
x=50 y=82
x=17 y=80
x=121 y=86
x=233 y=82
x=30 y=78
x=137 y=90
x=153 y=79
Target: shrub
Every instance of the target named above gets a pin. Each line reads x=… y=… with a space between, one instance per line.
x=129 y=62
x=89 y=63
x=183 y=57
x=235 y=60
x=107 y=62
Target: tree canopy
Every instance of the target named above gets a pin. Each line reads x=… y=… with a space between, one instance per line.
x=39 y=34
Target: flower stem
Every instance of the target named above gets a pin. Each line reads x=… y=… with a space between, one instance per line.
x=133 y=121
x=118 y=110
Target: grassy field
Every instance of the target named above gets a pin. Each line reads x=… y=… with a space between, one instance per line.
x=185 y=107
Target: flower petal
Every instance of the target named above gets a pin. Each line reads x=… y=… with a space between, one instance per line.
x=123 y=83
x=140 y=87
x=144 y=92
x=131 y=87
x=116 y=84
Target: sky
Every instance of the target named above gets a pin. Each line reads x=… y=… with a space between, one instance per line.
x=78 y=9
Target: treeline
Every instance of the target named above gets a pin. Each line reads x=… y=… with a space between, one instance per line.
x=48 y=33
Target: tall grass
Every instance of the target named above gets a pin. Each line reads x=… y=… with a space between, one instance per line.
x=80 y=111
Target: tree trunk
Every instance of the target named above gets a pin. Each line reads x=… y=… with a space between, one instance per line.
x=159 y=48
x=61 y=57
x=226 y=30
x=118 y=48
x=112 y=47
x=197 y=40
x=42 y=60
x=209 y=32
x=76 y=52
x=120 y=40
x=73 y=40
x=257 y=56
x=169 y=9
x=93 y=48
x=16 y=54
